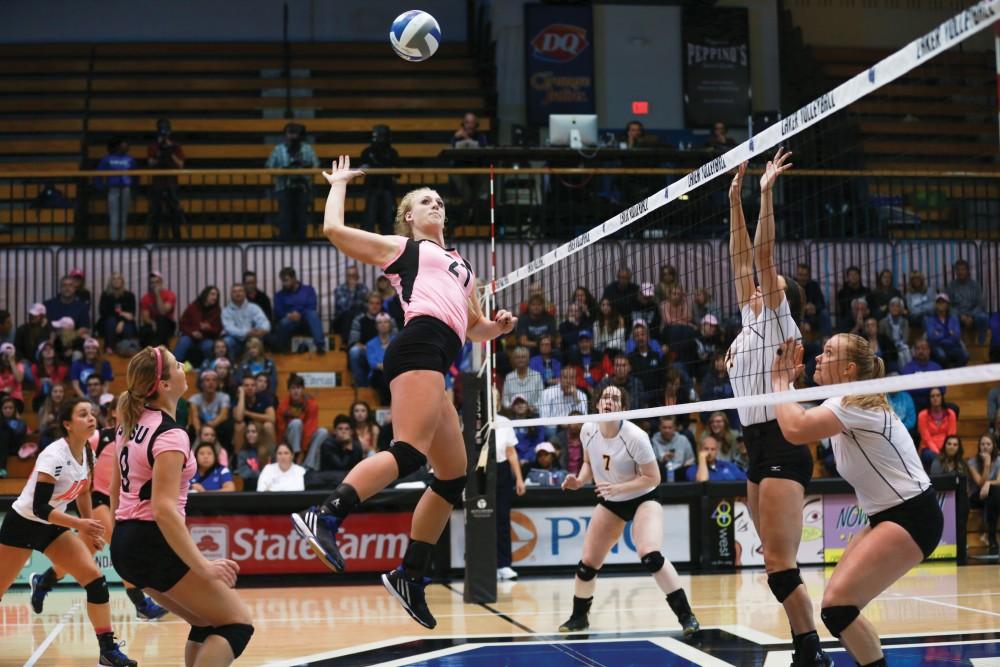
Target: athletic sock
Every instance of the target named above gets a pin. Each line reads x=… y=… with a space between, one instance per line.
x=48 y=579
x=417 y=560
x=581 y=606
x=342 y=501
x=678 y=602
x=105 y=639
x=806 y=644
x=137 y=597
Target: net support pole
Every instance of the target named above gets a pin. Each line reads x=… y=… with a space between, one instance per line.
x=480 y=495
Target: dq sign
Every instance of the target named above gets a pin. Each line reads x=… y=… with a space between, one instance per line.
x=560 y=43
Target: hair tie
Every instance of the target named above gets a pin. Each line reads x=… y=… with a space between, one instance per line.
x=159 y=371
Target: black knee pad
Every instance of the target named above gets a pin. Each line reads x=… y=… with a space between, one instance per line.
x=199 y=633
x=585 y=572
x=97 y=591
x=237 y=634
x=836 y=619
x=408 y=459
x=784 y=583
x=449 y=489
x=653 y=561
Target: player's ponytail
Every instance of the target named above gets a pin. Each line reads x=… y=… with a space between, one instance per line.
x=859 y=352
x=145 y=370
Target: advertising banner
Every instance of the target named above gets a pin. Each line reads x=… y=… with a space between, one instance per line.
x=733 y=540
x=554 y=536
x=716 y=58
x=267 y=544
x=559 y=60
x=843 y=519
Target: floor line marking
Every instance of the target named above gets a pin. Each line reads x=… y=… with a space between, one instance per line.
x=687 y=652
x=34 y=657
x=957 y=606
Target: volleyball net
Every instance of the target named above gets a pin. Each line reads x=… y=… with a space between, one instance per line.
x=646 y=300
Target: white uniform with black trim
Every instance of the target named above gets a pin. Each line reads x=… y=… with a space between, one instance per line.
x=71 y=478
x=616 y=460
x=751 y=356
x=875 y=454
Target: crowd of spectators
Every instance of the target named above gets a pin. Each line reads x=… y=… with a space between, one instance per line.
x=662 y=343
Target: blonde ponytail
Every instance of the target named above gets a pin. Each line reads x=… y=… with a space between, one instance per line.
x=141 y=380
x=870 y=367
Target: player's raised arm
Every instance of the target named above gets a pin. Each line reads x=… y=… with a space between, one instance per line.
x=355 y=243
x=740 y=250
x=763 y=247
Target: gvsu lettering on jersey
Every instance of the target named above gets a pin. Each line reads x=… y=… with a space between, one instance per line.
x=139 y=434
x=560 y=43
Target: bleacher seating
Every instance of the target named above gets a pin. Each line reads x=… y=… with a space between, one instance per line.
x=227 y=103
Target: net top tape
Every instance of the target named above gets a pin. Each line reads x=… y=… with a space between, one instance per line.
x=886 y=385
x=921 y=50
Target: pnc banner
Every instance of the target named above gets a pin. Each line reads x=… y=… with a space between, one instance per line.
x=716 y=58
x=554 y=536
x=559 y=60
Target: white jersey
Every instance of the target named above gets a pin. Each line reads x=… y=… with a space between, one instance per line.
x=617 y=459
x=71 y=478
x=751 y=356
x=876 y=456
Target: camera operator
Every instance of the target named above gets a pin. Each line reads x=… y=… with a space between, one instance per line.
x=380 y=198
x=294 y=193
x=165 y=153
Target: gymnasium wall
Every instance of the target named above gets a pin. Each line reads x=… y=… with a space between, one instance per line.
x=26 y=21
x=879 y=24
x=637 y=55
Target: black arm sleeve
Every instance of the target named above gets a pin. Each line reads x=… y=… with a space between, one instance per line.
x=43 y=494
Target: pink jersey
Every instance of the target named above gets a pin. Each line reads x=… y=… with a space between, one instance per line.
x=432 y=280
x=103 y=444
x=155 y=434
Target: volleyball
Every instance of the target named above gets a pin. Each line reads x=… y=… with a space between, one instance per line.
x=415 y=35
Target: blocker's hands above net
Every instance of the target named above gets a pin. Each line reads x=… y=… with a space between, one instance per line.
x=775 y=167
x=787 y=364
x=341 y=172
x=736 y=186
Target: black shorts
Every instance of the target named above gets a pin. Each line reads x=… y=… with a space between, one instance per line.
x=772 y=456
x=425 y=344
x=142 y=556
x=97 y=499
x=22 y=533
x=920 y=516
x=625 y=509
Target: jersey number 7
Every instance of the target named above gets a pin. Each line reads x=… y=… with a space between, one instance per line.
x=607 y=461
x=468 y=274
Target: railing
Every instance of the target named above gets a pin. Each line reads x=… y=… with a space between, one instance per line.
x=238 y=205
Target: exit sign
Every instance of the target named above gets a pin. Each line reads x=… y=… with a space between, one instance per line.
x=640 y=107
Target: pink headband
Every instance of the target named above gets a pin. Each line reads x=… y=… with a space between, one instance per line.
x=159 y=371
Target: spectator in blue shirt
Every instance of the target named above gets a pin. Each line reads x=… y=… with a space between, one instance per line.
x=69 y=304
x=91 y=363
x=710 y=467
x=375 y=353
x=295 y=311
x=545 y=362
x=944 y=333
x=210 y=476
x=119 y=188
x=921 y=363
x=348 y=301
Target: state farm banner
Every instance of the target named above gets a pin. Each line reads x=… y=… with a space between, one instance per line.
x=559 y=60
x=554 y=536
x=268 y=544
x=716 y=57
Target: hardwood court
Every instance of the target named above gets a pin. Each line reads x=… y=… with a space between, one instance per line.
x=946 y=611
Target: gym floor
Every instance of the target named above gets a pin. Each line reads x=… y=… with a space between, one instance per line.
x=938 y=614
